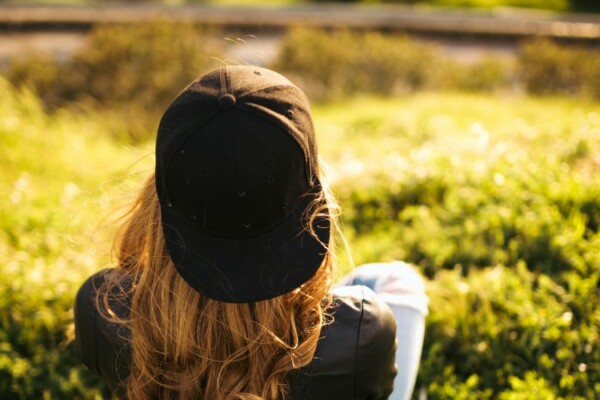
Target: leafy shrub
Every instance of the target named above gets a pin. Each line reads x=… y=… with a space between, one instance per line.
x=497 y=226
x=488 y=74
x=146 y=64
x=511 y=334
x=40 y=73
x=500 y=208
x=478 y=202
x=333 y=64
x=48 y=165
x=330 y=65
x=490 y=197
x=547 y=68
x=137 y=69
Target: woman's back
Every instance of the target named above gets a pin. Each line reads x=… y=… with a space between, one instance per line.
x=354 y=358
x=223 y=285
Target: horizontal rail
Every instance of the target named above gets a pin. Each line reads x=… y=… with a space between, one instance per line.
x=502 y=22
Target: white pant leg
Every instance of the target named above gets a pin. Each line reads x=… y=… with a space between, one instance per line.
x=403 y=289
x=410 y=333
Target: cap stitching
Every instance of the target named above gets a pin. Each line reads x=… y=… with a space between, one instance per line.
x=295 y=213
x=267 y=88
x=234 y=148
x=308 y=172
x=223 y=81
x=167 y=161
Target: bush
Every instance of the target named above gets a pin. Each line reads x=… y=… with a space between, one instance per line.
x=511 y=334
x=477 y=202
x=137 y=69
x=147 y=64
x=330 y=65
x=490 y=197
x=544 y=230
x=53 y=170
x=548 y=68
x=500 y=206
x=490 y=73
x=40 y=73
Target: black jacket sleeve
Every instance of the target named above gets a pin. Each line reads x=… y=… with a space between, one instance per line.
x=101 y=344
x=375 y=350
x=355 y=357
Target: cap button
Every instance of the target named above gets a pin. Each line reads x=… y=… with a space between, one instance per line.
x=226 y=101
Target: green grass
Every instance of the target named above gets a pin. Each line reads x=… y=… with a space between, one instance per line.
x=464 y=147
x=496 y=199
x=59 y=175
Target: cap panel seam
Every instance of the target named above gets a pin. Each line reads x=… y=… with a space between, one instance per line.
x=256 y=110
x=293 y=214
x=168 y=161
x=238 y=174
x=271 y=87
x=228 y=86
x=223 y=80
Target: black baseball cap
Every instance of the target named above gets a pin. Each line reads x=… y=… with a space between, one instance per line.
x=237 y=181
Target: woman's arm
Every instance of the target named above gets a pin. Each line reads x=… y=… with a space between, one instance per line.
x=101 y=344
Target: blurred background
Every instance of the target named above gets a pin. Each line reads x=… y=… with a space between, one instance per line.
x=462 y=136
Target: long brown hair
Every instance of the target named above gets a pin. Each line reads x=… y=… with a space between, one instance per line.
x=185 y=345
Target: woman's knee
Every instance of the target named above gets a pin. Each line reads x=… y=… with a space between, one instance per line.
x=397 y=283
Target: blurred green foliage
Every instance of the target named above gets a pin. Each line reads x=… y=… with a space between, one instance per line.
x=494 y=201
x=132 y=69
x=334 y=64
x=495 y=198
x=500 y=206
x=548 y=68
x=331 y=65
x=53 y=178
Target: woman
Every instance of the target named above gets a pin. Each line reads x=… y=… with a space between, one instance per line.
x=223 y=286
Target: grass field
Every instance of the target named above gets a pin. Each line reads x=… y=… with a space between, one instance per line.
x=495 y=199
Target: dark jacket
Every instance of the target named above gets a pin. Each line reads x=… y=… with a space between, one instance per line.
x=354 y=358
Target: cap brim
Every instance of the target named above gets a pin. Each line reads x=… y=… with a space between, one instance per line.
x=249 y=269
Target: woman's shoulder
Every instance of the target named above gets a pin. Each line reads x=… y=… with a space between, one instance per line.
x=359 y=303
x=89 y=288
x=99 y=340
x=115 y=283
x=355 y=355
